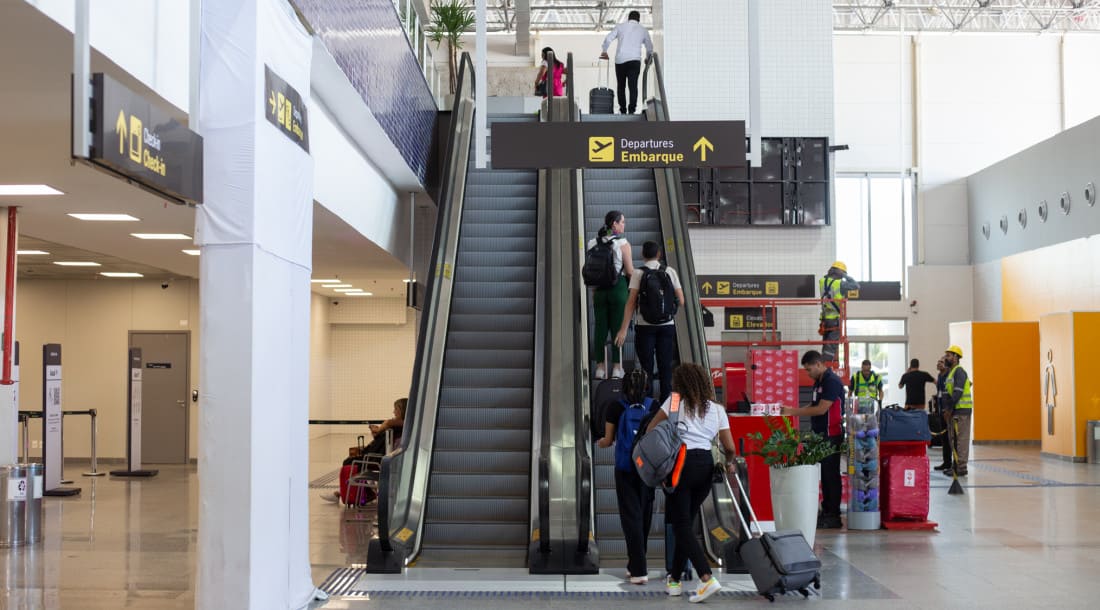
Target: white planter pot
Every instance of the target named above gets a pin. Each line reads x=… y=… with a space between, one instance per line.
x=794 y=499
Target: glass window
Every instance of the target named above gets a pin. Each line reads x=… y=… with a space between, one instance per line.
x=889 y=360
x=875 y=225
x=876 y=328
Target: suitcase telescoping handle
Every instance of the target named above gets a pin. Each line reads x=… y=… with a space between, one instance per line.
x=607 y=72
x=361 y=441
x=752 y=513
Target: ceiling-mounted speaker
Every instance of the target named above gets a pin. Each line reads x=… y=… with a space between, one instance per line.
x=985 y=230
x=1004 y=224
x=1090 y=194
x=1044 y=211
x=1021 y=217
x=1063 y=203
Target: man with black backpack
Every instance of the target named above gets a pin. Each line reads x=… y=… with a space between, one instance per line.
x=656 y=294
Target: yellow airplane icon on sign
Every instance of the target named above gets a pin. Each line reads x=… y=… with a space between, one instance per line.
x=601 y=149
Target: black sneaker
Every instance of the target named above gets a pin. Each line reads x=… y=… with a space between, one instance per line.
x=829 y=523
x=943 y=466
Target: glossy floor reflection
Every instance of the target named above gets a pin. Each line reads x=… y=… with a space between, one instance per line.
x=1026 y=534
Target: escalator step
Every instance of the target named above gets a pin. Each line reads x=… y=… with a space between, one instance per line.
x=624 y=185
x=492 y=306
x=510 y=340
x=472 y=460
x=466 y=288
x=454 y=377
x=476 y=322
x=477 y=418
x=489 y=358
x=474 y=535
x=515 y=229
x=486 y=508
x=512 y=190
x=618 y=174
x=489 y=484
x=501 y=440
x=497 y=274
x=457 y=398
x=497 y=260
x=495 y=244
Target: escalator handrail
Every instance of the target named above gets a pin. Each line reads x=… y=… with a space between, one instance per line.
x=583 y=444
x=423 y=399
x=542 y=365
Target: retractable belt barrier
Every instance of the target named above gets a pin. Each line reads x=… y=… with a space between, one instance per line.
x=26 y=416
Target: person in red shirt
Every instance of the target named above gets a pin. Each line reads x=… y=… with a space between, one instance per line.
x=826 y=414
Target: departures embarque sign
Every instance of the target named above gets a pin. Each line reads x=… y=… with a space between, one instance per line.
x=618 y=144
x=135 y=138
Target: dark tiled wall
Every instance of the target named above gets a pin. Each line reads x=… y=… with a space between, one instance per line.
x=368 y=41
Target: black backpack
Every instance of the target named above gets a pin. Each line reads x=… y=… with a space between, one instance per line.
x=599 y=264
x=656 y=296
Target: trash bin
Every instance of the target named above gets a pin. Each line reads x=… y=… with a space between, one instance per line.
x=13 y=500
x=1092 y=441
x=33 y=521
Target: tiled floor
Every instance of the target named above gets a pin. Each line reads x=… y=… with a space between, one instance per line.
x=1026 y=534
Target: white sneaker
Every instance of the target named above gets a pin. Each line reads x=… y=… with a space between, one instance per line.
x=331 y=497
x=639 y=580
x=705 y=590
x=601 y=372
x=618 y=372
x=673 y=587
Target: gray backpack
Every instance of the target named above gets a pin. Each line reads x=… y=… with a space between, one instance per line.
x=659 y=454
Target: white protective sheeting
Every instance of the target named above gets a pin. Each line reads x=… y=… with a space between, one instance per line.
x=256 y=232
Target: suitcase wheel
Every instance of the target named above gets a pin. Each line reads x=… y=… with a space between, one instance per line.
x=771 y=598
x=805 y=593
x=817 y=582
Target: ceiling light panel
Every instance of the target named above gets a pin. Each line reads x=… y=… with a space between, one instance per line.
x=160 y=236
x=335 y=285
x=27 y=190
x=30 y=252
x=106 y=217
x=332 y=281
x=76 y=263
x=190 y=252
x=120 y=274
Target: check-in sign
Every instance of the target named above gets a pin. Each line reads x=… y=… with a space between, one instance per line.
x=618 y=144
x=133 y=137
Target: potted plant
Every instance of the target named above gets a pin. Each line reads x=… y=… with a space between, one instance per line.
x=450 y=19
x=795 y=461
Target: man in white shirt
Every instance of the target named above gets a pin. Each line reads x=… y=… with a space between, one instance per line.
x=628 y=57
x=655 y=337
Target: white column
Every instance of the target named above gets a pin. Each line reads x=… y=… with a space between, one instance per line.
x=255 y=230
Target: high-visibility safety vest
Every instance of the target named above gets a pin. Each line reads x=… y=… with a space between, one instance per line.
x=866 y=388
x=830 y=294
x=966 y=401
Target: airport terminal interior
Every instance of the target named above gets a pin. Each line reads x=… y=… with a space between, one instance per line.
x=353 y=255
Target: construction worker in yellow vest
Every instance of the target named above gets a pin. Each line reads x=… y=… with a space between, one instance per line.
x=834 y=288
x=958 y=405
x=866 y=385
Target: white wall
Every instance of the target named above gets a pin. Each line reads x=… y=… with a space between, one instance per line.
x=91 y=319
x=373 y=343
x=320 y=363
x=150 y=39
x=346 y=184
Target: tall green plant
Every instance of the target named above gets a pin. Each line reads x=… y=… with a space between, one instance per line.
x=788 y=446
x=450 y=19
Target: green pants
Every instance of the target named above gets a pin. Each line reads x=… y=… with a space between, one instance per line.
x=608 y=305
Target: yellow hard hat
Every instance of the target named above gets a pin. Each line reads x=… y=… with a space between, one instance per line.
x=955 y=349
x=840 y=265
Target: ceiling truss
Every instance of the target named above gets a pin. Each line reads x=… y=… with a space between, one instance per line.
x=1034 y=16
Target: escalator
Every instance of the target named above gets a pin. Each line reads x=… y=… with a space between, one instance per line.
x=651 y=202
x=459 y=492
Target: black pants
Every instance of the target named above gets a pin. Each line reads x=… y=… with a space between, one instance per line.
x=636 y=516
x=627 y=73
x=947 y=457
x=683 y=505
x=830 y=481
x=659 y=341
x=830 y=345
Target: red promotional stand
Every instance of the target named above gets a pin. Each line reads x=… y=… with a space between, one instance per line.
x=760 y=484
x=905 y=485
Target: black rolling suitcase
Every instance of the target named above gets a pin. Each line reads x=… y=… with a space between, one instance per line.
x=601 y=100
x=779 y=562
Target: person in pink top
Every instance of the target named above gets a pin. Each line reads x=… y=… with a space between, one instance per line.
x=558 y=80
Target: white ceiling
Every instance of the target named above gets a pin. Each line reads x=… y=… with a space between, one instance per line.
x=35 y=122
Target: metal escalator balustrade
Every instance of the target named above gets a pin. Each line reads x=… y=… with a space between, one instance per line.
x=478 y=492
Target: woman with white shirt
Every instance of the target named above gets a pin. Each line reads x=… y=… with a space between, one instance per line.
x=700 y=421
x=608 y=304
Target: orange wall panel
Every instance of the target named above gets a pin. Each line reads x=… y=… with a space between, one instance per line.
x=1086 y=336
x=1003 y=374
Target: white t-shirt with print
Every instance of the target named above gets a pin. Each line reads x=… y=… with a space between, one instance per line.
x=636 y=284
x=699 y=433
x=616 y=247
